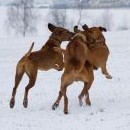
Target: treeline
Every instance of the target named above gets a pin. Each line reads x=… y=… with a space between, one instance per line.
x=85 y=4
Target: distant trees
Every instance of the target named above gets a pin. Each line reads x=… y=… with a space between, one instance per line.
x=21 y=17
x=58 y=11
x=58 y=16
x=80 y=4
x=80 y=7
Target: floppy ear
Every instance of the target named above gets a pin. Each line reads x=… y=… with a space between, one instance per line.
x=85 y=27
x=76 y=29
x=102 y=29
x=51 y=27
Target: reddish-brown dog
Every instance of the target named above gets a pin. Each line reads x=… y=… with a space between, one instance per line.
x=96 y=56
x=76 y=68
x=99 y=53
x=44 y=59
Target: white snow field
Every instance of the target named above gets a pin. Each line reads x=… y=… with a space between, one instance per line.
x=110 y=109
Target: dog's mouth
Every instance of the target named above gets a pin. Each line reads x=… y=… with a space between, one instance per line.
x=58 y=67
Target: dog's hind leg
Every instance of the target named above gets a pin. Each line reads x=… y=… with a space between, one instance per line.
x=65 y=81
x=18 y=77
x=32 y=74
x=81 y=96
x=86 y=88
x=87 y=99
x=56 y=104
x=85 y=93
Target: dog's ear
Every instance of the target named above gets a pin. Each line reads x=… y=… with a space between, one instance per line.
x=75 y=29
x=102 y=29
x=51 y=27
x=85 y=27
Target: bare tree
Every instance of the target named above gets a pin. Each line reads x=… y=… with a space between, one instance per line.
x=21 y=16
x=80 y=11
x=58 y=16
x=79 y=5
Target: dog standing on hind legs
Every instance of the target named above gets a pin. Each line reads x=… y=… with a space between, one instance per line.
x=96 y=43
x=76 y=69
x=99 y=52
x=44 y=59
x=98 y=48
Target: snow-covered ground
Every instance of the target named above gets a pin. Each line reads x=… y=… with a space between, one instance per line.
x=110 y=109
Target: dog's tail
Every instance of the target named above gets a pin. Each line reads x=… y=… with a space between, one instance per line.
x=29 y=51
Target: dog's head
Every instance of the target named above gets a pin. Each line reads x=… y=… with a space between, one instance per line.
x=94 y=34
x=60 y=33
x=77 y=31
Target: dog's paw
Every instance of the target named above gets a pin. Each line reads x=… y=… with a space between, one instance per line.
x=108 y=76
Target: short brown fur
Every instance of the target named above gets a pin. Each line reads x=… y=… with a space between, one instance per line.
x=96 y=57
x=44 y=59
x=99 y=51
x=76 y=69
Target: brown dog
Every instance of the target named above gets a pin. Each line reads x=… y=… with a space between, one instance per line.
x=44 y=59
x=96 y=56
x=99 y=51
x=76 y=68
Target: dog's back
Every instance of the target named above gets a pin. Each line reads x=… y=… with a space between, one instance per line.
x=76 y=53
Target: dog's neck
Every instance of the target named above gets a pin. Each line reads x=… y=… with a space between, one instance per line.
x=52 y=42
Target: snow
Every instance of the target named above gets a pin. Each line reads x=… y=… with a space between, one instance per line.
x=110 y=109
